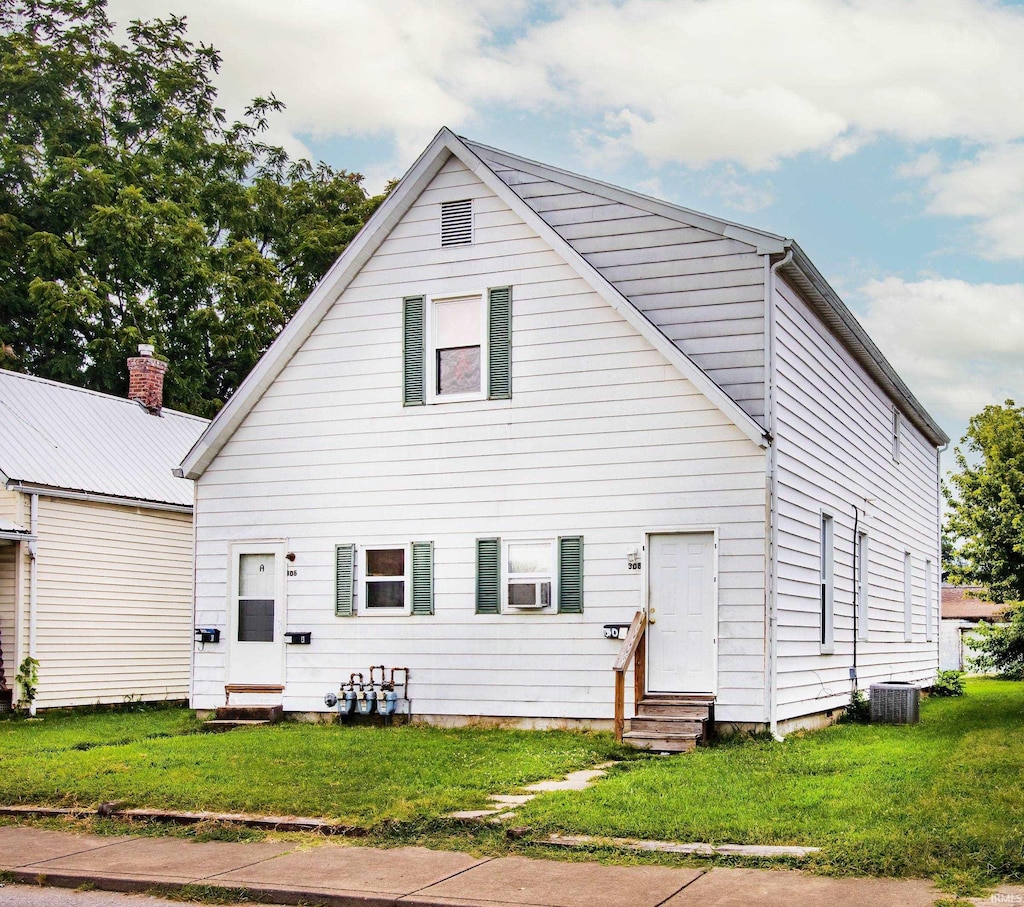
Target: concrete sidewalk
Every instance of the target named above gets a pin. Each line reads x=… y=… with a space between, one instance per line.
x=335 y=874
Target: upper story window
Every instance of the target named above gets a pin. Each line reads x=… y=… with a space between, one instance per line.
x=457 y=347
x=457 y=223
x=827 y=582
x=897 y=431
x=457 y=342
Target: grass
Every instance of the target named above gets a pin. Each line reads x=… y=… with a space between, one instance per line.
x=358 y=775
x=941 y=799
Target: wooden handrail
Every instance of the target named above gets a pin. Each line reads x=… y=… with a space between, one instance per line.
x=632 y=651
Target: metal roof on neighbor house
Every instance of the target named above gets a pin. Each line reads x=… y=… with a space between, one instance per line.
x=66 y=438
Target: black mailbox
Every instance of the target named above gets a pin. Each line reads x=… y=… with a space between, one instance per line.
x=299 y=638
x=207 y=634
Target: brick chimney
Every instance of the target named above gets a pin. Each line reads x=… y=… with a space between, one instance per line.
x=146 y=379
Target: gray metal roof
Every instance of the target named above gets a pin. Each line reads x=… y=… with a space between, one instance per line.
x=66 y=438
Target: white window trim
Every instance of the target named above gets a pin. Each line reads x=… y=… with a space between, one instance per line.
x=362 y=580
x=908 y=598
x=929 y=604
x=897 y=434
x=552 y=606
x=430 y=353
x=863 y=585
x=827 y=581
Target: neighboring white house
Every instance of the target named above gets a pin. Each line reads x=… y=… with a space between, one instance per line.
x=962 y=611
x=95 y=539
x=525 y=404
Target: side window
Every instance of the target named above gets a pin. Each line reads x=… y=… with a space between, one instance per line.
x=897 y=431
x=863 y=586
x=827 y=582
x=908 y=598
x=385 y=579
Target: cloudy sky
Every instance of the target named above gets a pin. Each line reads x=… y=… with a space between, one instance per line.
x=886 y=136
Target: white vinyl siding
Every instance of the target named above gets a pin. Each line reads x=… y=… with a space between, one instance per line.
x=114 y=613
x=704 y=292
x=833 y=436
x=601 y=438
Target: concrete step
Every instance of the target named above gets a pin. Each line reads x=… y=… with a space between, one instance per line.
x=662 y=743
x=217 y=725
x=268 y=713
x=667 y=725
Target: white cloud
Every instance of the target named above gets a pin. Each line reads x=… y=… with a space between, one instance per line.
x=685 y=80
x=962 y=342
x=988 y=188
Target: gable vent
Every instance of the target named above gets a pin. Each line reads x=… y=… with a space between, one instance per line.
x=457 y=223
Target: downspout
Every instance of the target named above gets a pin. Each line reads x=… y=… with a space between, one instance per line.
x=773 y=519
x=32 y=581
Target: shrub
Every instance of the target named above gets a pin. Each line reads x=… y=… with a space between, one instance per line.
x=859 y=709
x=949 y=683
x=1002 y=647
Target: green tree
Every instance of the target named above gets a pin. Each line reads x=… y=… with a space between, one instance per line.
x=1002 y=645
x=132 y=210
x=985 y=497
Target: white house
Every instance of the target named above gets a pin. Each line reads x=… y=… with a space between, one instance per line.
x=525 y=404
x=95 y=539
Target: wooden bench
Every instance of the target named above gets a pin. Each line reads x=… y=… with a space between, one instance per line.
x=230 y=688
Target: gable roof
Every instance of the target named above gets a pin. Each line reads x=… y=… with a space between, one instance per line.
x=73 y=441
x=799 y=270
x=483 y=162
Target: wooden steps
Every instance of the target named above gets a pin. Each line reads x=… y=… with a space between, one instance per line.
x=667 y=723
x=235 y=716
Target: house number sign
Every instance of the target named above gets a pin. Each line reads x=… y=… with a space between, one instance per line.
x=633 y=560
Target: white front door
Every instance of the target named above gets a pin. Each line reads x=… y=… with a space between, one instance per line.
x=682 y=638
x=256 y=608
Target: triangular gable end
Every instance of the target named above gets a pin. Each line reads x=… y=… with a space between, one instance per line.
x=374 y=232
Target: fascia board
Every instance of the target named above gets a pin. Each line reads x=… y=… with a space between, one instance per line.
x=313 y=310
x=765 y=243
x=683 y=364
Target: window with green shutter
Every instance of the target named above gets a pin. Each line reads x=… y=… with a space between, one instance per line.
x=457 y=348
x=499 y=339
x=414 y=385
x=422 y=577
x=488 y=576
x=344 y=579
x=570 y=574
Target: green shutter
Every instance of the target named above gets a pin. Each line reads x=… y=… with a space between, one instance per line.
x=344 y=575
x=499 y=343
x=570 y=574
x=488 y=576
x=422 y=577
x=414 y=383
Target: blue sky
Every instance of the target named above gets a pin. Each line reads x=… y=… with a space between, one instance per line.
x=886 y=136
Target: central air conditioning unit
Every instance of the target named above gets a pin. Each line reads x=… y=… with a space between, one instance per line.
x=895 y=703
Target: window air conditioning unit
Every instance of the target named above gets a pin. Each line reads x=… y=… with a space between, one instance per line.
x=895 y=703
x=530 y=595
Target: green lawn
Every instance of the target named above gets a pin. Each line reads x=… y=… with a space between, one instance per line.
x=941 y=797
x=360 y=775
